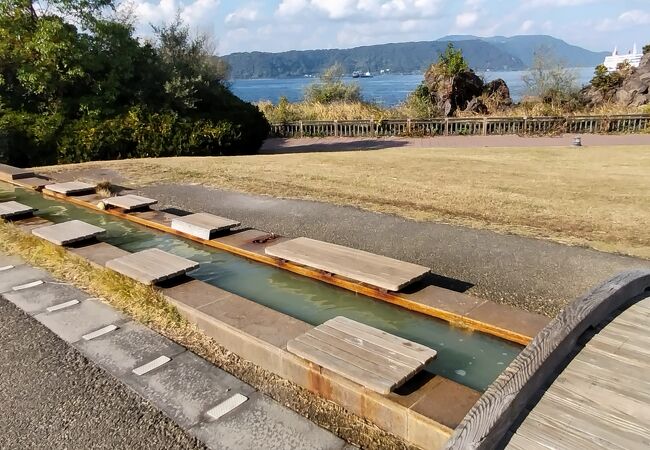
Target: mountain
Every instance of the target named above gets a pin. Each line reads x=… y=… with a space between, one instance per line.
x=491 y=53
x=406 y=57
x=524 y=47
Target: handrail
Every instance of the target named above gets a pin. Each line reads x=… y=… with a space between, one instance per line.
x=486 y=424
x=448 y=126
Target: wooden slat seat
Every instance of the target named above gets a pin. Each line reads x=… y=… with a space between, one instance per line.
x=375 y=270
x=68 y=232
x=373 y=358
x=129 y=202
x=151 y=266
x=203 y=225
x=70 y=187
x=12 y=209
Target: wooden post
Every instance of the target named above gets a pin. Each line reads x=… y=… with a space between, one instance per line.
x=446 y=126
x=336 y=128
x=302 y=131
x=485 y=123
x=408 y=126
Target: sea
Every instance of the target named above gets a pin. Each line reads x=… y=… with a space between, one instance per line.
x=385 y=90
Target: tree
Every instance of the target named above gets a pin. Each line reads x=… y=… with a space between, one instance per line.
x=549 y=79
x=646 y=49
x=331 y=88
x=452 y=61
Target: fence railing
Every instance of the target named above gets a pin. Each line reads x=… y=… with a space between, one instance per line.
x=457 y=126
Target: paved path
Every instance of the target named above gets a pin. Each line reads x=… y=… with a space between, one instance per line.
x=538 y=275
x=602 y=398
x=298 y=145
x=63 y=387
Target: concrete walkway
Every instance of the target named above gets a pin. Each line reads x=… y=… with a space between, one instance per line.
x=302 y=145
x=96 y=379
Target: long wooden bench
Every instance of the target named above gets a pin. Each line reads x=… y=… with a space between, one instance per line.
x=373 y=358
x=375 y=270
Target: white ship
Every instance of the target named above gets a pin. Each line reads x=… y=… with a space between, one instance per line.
x=633 y=57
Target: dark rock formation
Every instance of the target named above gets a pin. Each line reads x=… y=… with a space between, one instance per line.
x=499 y=92
x=465 y=92
x=451 y=93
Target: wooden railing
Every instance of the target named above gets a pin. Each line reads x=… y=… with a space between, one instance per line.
x=465 y=126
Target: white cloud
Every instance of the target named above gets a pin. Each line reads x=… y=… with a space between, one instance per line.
x=362 y=9
x=197 y=13
x=558 y=3
x=466 y=19
x=526 y=25
x=635 y=16
x=243 y=15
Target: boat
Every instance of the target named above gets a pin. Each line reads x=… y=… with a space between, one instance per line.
x=358 y=74
x=612 y=61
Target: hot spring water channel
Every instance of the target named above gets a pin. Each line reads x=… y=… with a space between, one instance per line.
x=470 y=358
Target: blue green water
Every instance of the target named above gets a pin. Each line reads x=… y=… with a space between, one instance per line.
x=470 y=358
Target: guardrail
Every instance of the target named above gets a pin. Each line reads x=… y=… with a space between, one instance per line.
x=457 y=126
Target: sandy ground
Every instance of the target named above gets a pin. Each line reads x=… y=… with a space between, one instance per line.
x=272 y=146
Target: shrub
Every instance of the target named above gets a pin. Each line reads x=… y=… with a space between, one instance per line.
x=646 y=49
x=332 y=88
x=452 y=61
x=29 y=139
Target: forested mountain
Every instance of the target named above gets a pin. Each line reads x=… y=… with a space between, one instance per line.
x=524 y=48
x=495 y=53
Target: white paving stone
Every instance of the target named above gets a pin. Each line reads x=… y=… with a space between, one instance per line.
x=226 y=406
x=63 y=305
x=151 y=365
x=97 y=333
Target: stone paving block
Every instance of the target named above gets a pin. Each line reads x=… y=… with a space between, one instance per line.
x=72 y=323
x=21 y=275
x=65 y=233
x=263 y=423
x=36 y=299
x=187 y=387
x=130 y=346
x=8 y=260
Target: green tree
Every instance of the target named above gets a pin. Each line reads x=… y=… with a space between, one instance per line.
x=451 y=61
x=646 y=49
x=331 y=88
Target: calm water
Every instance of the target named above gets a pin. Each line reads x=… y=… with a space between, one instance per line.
x=470 y=358
x=387 y=90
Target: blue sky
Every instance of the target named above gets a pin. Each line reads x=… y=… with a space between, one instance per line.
x=280 y=25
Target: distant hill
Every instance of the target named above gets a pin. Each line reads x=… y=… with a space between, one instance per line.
x=493 y=53
x=524 y=48
x=409 y=57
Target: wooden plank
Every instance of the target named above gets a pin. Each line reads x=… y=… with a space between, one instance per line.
x=151 y=266
x=519 y=442
x=14 y=209
x=354 y=340
x=501 y=405
x=361 y=351
x=70 y=188
x=130 y=202
x=390 y=373
x=202 y=225
x=340 y=366
x=33 y=182
x=383 y=339
x=609 y=376
x=68 y=232
x=375 y=270
x=10 y=173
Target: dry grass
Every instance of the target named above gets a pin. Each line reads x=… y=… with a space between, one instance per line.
x=596 y=196
x=148 y=306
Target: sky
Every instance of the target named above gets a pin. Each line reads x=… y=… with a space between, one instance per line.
x=280 y=25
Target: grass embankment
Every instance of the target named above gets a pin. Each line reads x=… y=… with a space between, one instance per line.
x=293 y=112
x=596 y=197
x=148 y=306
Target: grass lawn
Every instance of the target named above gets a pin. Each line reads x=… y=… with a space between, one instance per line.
x=594 y=196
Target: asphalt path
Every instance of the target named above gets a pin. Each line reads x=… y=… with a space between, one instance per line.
x=52 y=397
